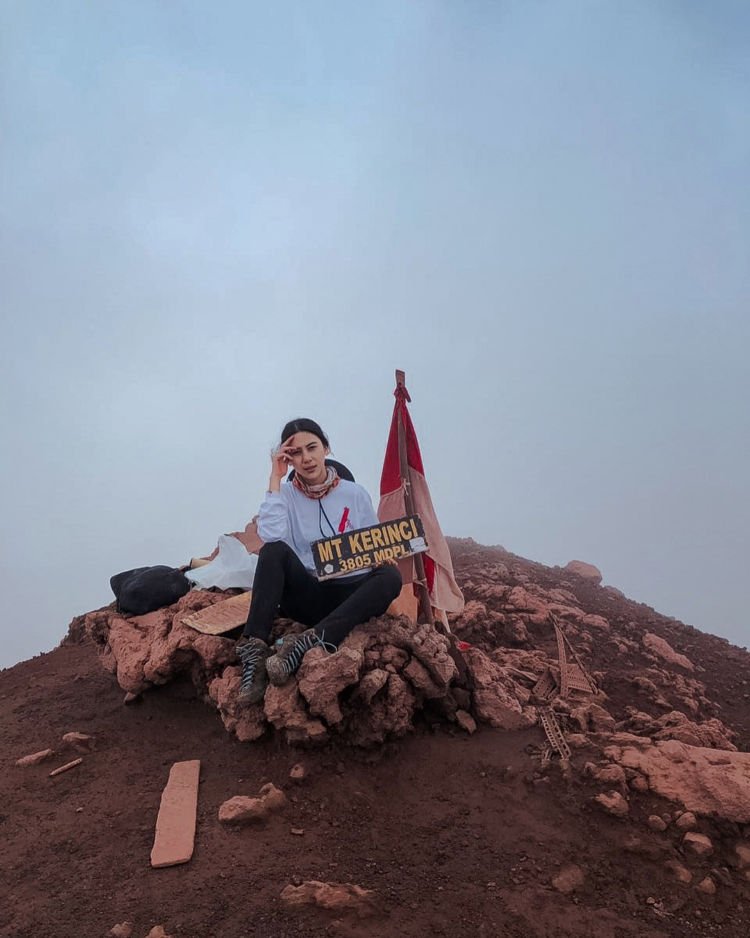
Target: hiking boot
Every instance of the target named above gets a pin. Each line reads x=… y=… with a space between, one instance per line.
x=253 y=682
x=291 y=651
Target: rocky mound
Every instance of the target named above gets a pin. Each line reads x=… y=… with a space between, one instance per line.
x=388 y=674
x=385 y=675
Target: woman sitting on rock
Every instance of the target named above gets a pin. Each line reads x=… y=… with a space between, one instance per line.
x=316 y=503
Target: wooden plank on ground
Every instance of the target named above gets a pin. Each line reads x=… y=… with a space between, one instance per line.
x=222 y=616
x=175 y=826
x=65 y=768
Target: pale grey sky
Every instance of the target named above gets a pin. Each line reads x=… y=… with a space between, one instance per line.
x=217 y=216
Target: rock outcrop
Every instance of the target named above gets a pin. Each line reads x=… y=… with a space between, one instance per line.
x=587 y=570
x=662 y=649
x=708 y=782
x=374 y=687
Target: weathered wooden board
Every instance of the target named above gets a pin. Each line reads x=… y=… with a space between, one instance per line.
x=175 y=826
x=222 y=616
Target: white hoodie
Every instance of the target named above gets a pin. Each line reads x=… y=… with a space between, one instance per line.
x=290 y=516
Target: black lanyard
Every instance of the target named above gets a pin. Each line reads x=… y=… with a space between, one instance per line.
x=322 y=514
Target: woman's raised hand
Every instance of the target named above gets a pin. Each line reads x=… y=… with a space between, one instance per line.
x=281 y=459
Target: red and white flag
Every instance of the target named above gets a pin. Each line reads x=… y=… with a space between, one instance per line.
x=441 y=584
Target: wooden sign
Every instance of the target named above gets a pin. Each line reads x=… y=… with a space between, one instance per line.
x=221 y=617
x=356 y=551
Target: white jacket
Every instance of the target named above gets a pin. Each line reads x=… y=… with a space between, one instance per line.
x=292 y=517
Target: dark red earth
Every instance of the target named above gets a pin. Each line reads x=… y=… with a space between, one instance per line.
x=456 y=835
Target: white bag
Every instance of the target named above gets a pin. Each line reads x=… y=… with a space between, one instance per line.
x=232 y=568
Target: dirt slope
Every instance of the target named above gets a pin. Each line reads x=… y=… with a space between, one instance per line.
x=457 y=835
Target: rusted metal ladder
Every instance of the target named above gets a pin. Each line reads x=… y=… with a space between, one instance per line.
x=573 y=677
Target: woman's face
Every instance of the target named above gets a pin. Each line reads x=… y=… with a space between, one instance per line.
x=308 y=456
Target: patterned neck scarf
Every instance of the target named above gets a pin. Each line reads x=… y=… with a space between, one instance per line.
x=318 y=491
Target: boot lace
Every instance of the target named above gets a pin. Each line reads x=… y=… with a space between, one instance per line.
x=250 y=655
x=290 y=660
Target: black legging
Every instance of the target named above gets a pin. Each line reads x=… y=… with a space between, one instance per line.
x=283 y=584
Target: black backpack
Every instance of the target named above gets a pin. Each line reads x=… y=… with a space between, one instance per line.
x=147 y=588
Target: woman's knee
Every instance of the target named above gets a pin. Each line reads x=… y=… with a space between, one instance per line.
x=274 y=550
x=275 y=555
x=391 y=580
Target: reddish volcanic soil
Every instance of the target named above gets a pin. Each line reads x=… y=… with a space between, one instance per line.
x=456 y=835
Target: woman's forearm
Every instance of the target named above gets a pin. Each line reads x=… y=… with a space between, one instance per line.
x=274 y=483
x=273 y=519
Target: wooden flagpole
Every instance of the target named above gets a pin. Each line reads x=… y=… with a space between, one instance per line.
x=425 y=605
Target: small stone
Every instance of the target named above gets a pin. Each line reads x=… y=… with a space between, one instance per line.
x=123 y=930
x=639 y=783
x=466 y=721
x=698 y=843
x=79 y=741
x=244 y=810
x=273 y=797
x=611 y=774
x=686 y=821
x=34 y=758
x=298 y=831
x=707 y=886
x=569 y=879
x=298 y=772
x=656 y=823
x=157 y=932
x=79 y=810
x=613 y=803
x=334 y=897
x=131 y=698
x=681 y=873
